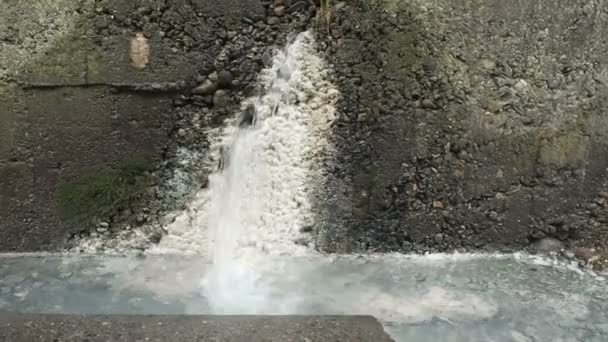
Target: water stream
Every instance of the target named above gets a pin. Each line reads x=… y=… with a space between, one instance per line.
x=260 y=198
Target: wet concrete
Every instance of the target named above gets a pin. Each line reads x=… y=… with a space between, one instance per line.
x=68 y=328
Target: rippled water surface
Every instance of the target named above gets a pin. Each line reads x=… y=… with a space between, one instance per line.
x=418 y=298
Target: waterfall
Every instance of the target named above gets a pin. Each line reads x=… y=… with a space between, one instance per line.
x=259 y=201
x=257 y=204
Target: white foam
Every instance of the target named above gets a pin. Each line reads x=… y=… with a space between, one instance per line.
x=261 y=200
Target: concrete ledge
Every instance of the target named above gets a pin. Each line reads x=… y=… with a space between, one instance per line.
x=62 y=328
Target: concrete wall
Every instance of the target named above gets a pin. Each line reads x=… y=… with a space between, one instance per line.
x=74 y=102
x=469 y=124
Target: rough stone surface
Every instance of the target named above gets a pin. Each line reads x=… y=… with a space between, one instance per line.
x=77 y=101
x=57 y=328
x=483 y=121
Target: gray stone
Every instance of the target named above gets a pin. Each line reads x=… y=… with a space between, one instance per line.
x=298 y=6
x=213 y=76
x=225 y=79
x=221 y=99
x=303 y=241
x=247 y=116
x=307 y=229
x=206 y=88
x=273 y=21
x=266 y=58
x=549 y=245
x=493 y=215
x=584 y=253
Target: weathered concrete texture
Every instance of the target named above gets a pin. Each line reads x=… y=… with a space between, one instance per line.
x=57 y=328
x=73 y=102
x=469 y=124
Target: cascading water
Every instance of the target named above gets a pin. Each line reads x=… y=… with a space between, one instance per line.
x=258 y=202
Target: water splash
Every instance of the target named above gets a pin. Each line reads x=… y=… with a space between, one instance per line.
x=259 y=201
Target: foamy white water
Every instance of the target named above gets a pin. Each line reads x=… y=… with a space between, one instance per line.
x=258 y=203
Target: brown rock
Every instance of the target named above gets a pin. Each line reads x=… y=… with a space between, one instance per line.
x=279 y=11
x=139 y=52
x=438 y=205
x=583 y=253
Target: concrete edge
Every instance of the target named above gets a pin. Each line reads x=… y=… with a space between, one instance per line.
x=62 y=328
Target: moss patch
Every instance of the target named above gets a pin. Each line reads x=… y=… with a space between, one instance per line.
x=106 y=192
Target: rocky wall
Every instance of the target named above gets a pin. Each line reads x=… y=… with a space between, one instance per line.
x=468 y=125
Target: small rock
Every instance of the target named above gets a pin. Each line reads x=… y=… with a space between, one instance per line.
x=302 y=242
x=340 y=5
x=548 y=245
x=583 y=253
x=143 y=218
x=220 y=99
x=155 y=236
x=225 y=79
x=488 y=65
x=463 y=155
x=213 y=76
x=521 y=86
x=181 y=132
x=266 y=58
x=273 y=21
x=438 y=238
x=279 y=11
x=248 y=116
x=428 y=104
x=553 y=83
x=493 y=215
x=104 y=224
x=438 y=205
x=298 y=7
x=206 y=88
x=307 y=229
